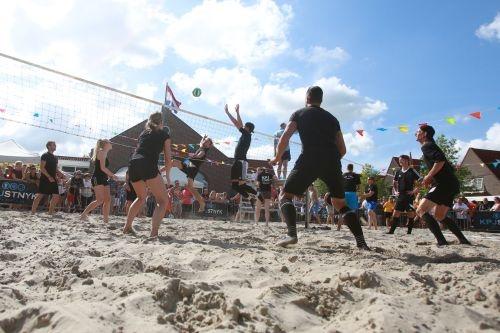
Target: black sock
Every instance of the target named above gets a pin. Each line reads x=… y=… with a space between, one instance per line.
x=410 y=225
x=453 y=227
x=352 y=222
x=289 y=214
x=434 y=228
x=237 y=187
x=394 y=224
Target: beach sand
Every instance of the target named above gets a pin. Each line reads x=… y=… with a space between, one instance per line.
x=63 y=275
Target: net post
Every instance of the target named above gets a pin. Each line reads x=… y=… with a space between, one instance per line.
x=308 y=213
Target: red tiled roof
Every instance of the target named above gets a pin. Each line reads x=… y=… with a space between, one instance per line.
x=415 y=163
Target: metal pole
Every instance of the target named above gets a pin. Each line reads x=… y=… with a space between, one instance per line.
x=306 y=224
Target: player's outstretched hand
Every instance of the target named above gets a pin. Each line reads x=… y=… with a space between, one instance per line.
x=275 y=160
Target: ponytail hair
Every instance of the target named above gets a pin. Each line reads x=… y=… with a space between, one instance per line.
x=99 y=146
x=154 y=122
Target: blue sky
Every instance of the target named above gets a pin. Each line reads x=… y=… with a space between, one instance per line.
x=381 y=63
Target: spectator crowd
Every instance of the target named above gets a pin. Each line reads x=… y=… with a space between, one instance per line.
x=76 y=193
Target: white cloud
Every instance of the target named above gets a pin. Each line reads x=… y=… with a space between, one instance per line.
x=85 y=37
x=146 y=90
x=491 y=141
x=322 y=55
x=221 y=30
x=220 y=86
x=239 y=85
x=283 y=76
x=357 y=144
x=490 y=31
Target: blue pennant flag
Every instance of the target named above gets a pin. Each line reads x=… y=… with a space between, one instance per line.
x=496 y=163
x=381 y=129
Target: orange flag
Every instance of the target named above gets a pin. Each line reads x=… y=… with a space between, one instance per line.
x=476 y=115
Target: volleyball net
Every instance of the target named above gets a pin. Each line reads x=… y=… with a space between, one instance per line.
x=37 y=96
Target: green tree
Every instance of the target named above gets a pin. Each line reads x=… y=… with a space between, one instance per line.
x=450 y=150
x=320 y=187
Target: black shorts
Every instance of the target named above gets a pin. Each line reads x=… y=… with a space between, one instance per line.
x=443 y=194
x=141 y=169
x=131 y=195
x=286 y=156
x=239 y=170
x=387 y=214
x=98 y=180
x=190 y=172
x=308 y=168
x=46 y=187
x=265 y=194
x=404 y=203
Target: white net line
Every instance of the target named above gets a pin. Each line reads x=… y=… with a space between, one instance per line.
x=41 y=97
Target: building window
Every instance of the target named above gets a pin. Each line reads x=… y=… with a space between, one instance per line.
x=476 y=184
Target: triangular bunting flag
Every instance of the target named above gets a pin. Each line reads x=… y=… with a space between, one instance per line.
x=36 y=114
x=2 y=110
x=381 y=129
x=451 y=120
x=360 y=132
x=404 y=128
x=476 y=114
x=496 y=163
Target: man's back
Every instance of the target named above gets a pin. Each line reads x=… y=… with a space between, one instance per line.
x=317 y=129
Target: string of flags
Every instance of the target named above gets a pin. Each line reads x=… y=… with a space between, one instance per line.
x=406 y=128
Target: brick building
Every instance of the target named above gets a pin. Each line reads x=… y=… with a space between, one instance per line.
x=484 y=171
x=217 y=177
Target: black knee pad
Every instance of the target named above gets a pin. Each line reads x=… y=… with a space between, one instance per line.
x=349 y=217
x=285 y=201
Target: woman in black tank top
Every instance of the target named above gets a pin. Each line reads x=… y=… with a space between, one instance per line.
x=190 y=166
x=100 y=180
x=143 y=172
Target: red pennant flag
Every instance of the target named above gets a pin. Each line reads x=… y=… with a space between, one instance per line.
x=360 y=132
x=476 y=115
x=2 y=110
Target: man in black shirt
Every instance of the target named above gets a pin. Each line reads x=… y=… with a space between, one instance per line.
x=322 y=148
x=240 y=165
x=265 y=179
x=48 y=179
x=405 y=190
x=351 y=186
x=445 y=187
x=371 y=196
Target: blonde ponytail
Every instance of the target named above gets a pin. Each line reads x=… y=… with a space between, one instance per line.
x=99 y=146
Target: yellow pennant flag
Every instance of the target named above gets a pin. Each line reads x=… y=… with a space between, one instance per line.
x=451 y=120
x=404 y=128
x=184 y=150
